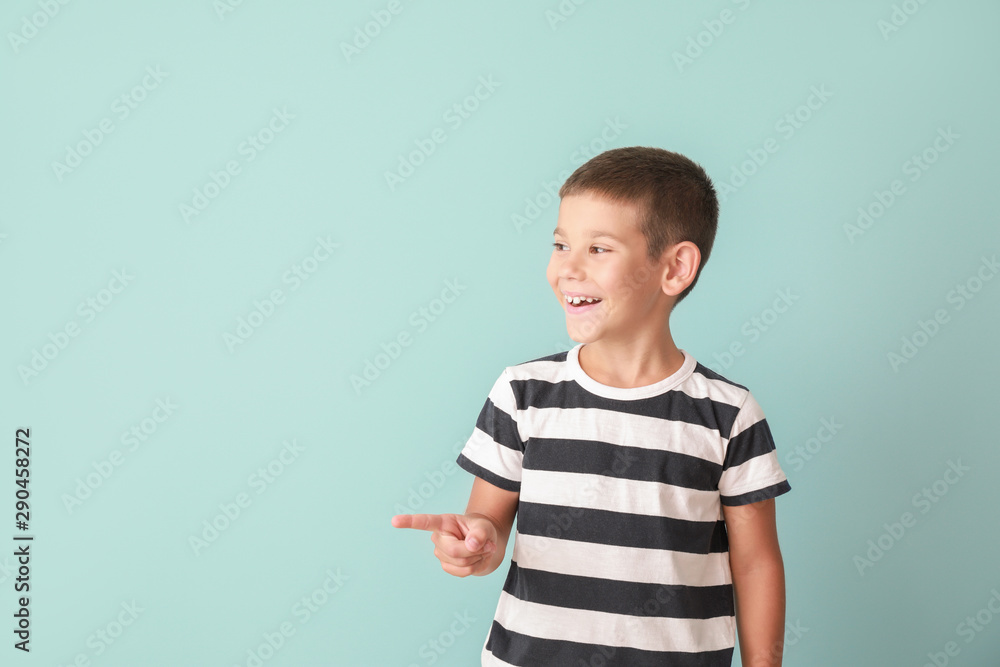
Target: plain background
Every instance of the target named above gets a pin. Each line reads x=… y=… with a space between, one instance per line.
x=476 y=211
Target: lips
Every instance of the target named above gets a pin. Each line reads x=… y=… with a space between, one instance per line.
x=580 y=303
x=582 y=308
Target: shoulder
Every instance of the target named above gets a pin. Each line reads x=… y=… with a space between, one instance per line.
x=703 y=382
x=539 y=368
x=557 y=357
x=722 y=396
x=715 y=378
x=537 y=380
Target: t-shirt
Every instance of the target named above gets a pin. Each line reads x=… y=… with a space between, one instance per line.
x=621 y=555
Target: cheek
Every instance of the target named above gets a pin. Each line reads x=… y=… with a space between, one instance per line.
x=608 y=278
x=550 y=273
x=631 y=279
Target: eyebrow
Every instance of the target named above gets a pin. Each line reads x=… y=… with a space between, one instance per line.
x=593 y=235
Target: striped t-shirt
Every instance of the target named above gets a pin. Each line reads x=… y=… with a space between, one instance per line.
x=620 y=554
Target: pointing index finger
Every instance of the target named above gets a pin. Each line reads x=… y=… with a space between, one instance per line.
x=419 y=521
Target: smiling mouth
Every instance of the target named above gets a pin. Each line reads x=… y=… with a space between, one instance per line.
x=579 y=304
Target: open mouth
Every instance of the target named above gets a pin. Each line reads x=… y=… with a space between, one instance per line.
x=579 y=304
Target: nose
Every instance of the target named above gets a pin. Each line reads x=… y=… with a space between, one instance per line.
x=571 y=265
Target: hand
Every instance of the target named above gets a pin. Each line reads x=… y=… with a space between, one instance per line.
x=464 y=544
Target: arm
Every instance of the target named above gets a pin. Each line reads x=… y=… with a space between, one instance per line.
x=499 y=506
x=758 y=582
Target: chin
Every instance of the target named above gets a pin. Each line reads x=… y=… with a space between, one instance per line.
x=576 y=334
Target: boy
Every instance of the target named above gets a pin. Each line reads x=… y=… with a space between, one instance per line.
x=643 y=482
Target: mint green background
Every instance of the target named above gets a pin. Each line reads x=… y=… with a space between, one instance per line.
x=365 y=454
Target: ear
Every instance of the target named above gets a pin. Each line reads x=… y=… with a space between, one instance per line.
x=680 y=265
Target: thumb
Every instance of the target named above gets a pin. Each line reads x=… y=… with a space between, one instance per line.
x=475 y=539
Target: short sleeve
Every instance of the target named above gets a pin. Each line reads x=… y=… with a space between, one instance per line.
x=494 y=450
x=750 y=470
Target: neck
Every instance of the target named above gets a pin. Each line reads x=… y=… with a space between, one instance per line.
x=631 y=364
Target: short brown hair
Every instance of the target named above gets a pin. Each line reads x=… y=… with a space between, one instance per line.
x=675 y=197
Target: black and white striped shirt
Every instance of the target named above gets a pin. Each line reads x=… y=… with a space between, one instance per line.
x=621 y=555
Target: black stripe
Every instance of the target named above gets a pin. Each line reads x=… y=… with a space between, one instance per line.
x=619 y=597
x=760 y=494
x=753 y=441
x=712 y=375
x=489 y=476
x=499 y=425
x=622 y=462
x=673 y=405
x=621 y=528
x=525 y=651
x=558 y=356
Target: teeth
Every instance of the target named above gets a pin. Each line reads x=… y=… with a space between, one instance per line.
x=576 y=300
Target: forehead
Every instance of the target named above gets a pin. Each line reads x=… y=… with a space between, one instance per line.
x=592 y=215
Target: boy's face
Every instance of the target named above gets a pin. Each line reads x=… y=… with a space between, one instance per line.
x=585 y=261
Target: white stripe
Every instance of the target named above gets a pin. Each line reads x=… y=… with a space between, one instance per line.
x=490 y=660
x=620 y=428
x=607 y=561
x=650 y=633
x=502 y=394
x=757 y=473
x=750 y=413
x=701 y=386
x=502 y=460
x=547 y=371
x=614 y=494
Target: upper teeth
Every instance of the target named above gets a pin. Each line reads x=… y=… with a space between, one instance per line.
x=577 y=299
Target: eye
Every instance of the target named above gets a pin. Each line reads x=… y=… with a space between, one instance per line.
x=603 y=250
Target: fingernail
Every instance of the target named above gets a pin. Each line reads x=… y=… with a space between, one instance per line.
x=473 y=543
